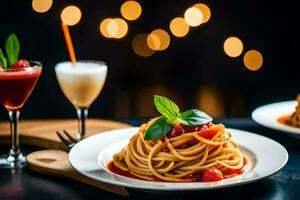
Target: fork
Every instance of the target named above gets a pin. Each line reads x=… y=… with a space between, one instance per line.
x=67 y=140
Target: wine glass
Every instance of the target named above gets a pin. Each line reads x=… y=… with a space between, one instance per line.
x=81 y=83
x=16 y=85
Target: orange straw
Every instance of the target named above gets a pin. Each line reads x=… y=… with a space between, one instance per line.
x=69 y=42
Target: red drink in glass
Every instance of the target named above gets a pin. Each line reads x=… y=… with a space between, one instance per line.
x=16 y=86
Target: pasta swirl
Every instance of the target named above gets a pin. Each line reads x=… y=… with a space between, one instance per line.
x=176 y=158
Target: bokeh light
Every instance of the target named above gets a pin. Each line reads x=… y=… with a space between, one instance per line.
x=211 y=100
x=71 y=15
x=131 y=10
x=103 y=27
x=233 y=46
x=140 y=47
x=122 y=28
x=179 y=27
x=162 y=36
x=193 y=16
x=41 y=6
x=205 y=11
x=113 y=28
x=153 y=41
x=253 y=60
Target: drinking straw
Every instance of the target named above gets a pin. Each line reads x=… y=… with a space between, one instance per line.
x=69 y=42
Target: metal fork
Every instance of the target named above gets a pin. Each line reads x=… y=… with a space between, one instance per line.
x=68 y=140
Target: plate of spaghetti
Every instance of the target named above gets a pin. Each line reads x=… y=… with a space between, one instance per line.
x=283 y=116
x=177 y=151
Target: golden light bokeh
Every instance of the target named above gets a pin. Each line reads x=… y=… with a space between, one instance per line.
x=113 y=28
x=193 y=16
x=71 y=15
x=131 y=10
x=140 y=47
x=253 y=60
x=179 y=27
x=153 y=41
x=233 y=46
x=211 y=100
x=122 y=28
x=103 y=27
x=162 y=36
x=41 y=6
x=205 y=11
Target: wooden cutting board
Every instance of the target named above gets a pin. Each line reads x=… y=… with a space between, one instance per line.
x=55 y=162
x=42 y=133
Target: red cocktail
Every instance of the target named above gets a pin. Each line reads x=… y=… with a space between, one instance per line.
x=16 y=85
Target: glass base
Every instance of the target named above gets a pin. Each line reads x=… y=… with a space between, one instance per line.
x=12 y=162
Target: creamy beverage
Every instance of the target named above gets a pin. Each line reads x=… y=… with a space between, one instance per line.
x=81 y=82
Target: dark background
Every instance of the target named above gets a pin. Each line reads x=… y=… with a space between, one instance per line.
x=194 y=70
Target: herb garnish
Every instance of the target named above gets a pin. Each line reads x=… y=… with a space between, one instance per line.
x=171 y=116
x=12 y=49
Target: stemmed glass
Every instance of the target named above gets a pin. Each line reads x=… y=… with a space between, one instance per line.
x=81 y=83
x=16 y=85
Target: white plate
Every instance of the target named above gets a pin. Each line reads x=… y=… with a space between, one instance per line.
x=267 y=115
x=84 y=157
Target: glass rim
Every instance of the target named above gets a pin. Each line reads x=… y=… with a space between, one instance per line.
x=83 y=61
x=34 y=65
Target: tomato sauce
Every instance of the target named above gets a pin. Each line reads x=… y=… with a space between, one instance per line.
x=113 y=168
x=190 y=178
x=232 y=172
x=285 y=120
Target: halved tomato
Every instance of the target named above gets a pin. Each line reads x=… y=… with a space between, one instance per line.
x=211 y=131
x=212 y=174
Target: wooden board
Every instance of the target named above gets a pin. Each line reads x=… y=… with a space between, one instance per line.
x=55 y=162
x=42 y=133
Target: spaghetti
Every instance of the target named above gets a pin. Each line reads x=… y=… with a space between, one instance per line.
x=294 y=119
x=184 y=156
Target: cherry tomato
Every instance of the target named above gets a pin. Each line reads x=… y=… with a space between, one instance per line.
x=189 y=129
x=230 y=172
x=212 y=174
x=211 y=131
x=176 y=131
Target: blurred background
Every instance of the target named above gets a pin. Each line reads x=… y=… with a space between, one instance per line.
x=223 y=57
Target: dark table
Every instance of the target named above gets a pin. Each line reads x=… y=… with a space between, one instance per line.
x=25 y=184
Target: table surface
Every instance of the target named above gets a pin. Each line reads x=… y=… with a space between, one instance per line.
x=25 y=184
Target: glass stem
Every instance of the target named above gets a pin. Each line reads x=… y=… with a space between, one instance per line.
x=82 y=114
x=14 y=121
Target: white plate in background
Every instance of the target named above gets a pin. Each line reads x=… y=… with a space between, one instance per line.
x=268 y=115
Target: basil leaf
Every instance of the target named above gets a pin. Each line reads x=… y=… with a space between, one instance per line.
x=194 y=117
x=166 y=107
x=173 y=120
x=3 y=61
x=158 y=129
x=12 y=47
